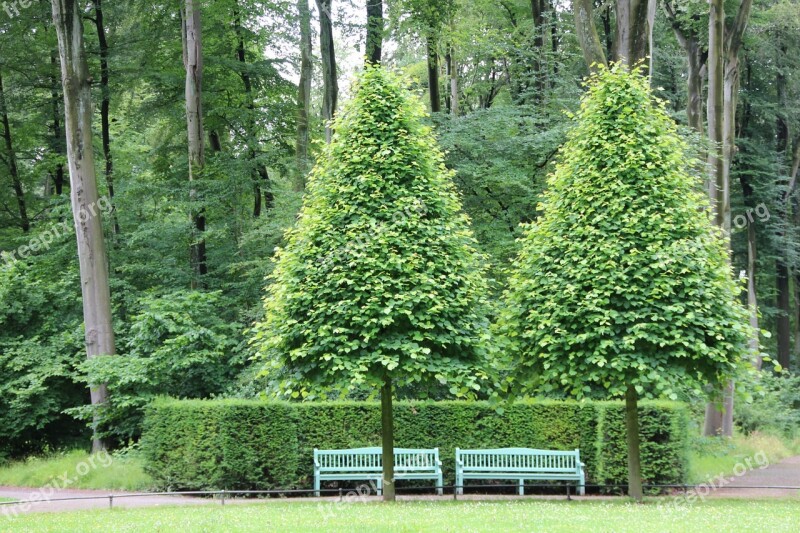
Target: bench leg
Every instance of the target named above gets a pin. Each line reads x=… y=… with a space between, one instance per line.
x=522 y=487
x=582 y=485
x=316 y=486
x=380 y=486
x=440 y=486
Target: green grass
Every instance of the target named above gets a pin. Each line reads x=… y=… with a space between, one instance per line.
x=576 y=516
x=714 y=456
x=81 y=469
x=7 y=500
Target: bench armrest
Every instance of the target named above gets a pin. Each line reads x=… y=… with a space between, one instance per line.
x=316 y=464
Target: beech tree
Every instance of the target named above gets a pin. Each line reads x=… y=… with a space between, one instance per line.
x=623 y=286
x=92 y=256
x=379 y=285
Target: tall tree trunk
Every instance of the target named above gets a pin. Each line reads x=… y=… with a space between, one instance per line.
x=782 y=289
x=99 y=333
x=538 y=9
x=452 y=75
x=331 y=90
x=374 y=31
x=633 y=39
x=723 y=76
x=387 y=441
x=433 y=73
x=11 y=162
x=57 y=139
x=258 y=172
x=193 y=63
x=303 y=95
x=586 y=32
x=632 y=430
x=105 y=109
x=689 y=40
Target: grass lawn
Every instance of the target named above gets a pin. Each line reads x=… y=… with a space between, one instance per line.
x=713 y=515
x=81 y=470
x=710 y=457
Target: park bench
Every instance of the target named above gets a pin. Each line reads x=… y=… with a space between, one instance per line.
x=367 y=464
x=519 y=464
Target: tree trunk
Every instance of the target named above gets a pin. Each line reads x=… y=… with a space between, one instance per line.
x=632 y=428
x=11 y=161
x=634 y=36
x=586 y=32
x=452 y=75
x=258 y=171
x=696 y=59
x=538 y=8
x=374 y=31
x=193 y=63
x=57 y=142
x=433 y=74
x=782 y=289
x=387 y=441
x=105 y=109
x=303 y=95
x=99 y=334
x=331 y=88
x=714 y=418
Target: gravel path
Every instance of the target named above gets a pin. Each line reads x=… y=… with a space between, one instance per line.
x=784 y=473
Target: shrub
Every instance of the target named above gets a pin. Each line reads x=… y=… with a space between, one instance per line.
x=252 y=444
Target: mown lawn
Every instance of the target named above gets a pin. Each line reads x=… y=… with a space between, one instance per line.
x=716 y=515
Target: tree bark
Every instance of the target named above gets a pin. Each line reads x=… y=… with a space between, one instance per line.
x=782 y=289
x=433 y=73
x=303 y=95
x=387 y=441
x=259 y=174
x=634 y=36
x=99 y=334
x=723 y=77
x=696 y=60
x=57 y=139
x=105 y=105
x=374 y=31
x=586 y=32
x=632 y=429
x=193 y=63
x=331 y=89
x=11 y=162
x=452 y=75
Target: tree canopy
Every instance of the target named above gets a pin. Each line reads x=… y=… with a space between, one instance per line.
x=623 y=280
x=380 y=279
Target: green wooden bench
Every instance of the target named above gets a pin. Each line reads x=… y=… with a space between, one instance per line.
x=367 y=464
x=519 y=464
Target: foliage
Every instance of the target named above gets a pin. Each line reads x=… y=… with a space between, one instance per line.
x=776 y=411
x=623 y=280
x=380 y=278
x=198 y=444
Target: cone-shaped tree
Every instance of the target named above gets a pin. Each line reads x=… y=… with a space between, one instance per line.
x=622 y=287
x=380 y=283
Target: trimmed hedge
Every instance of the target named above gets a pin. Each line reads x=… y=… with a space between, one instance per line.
x=239 y=444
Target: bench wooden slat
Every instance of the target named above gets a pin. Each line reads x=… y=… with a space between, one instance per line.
x=519 y=464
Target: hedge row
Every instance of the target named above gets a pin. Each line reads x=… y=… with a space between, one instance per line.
x=237 y=444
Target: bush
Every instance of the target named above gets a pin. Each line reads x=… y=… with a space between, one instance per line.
x=259 y=445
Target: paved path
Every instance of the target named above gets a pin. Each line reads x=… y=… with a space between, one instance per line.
x=783 y=474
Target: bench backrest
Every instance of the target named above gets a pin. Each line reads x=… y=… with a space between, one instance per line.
x=371 y=460
x=518 y=460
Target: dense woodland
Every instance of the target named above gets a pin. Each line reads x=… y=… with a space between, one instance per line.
x=208 y=115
